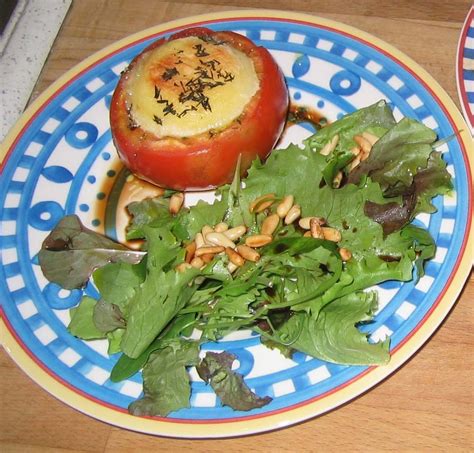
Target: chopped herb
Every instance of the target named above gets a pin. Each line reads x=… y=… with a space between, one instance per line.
x=200 y=51
x=157 y=120
x=169 y=73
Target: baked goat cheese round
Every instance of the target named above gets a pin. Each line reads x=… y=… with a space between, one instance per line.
x=189 y=105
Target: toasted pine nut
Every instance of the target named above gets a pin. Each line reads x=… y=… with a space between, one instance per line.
x=219 y=239
x=307 y=234
x=207 y=257
x=190 y=249
x=212 y=249
x=258 y=240
x=337 y=180
x=305 y=222
x=285 y=206
x=183 y=267
x=235 y=233
x=206 y=229
x=355 y=150
x=364 y=144
x=371 y=138
x=248 y=253
x=363 y=155
x=346 y=254
x=221 y=227
x=330 y=146
x=293 y=214
x=197 y=262
x=270 y=224
x=234 y=257
x=331 y=234
x=231 y=267
x=199 y=240
x=316 y=229
x=354 y=163
x=264 y=200
x=176 y=202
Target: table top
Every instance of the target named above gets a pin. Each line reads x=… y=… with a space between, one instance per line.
x=419 y=407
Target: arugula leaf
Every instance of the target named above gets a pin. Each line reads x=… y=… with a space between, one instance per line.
x=160 y=297
x=71 y=252
x=216 y=369
x=165 y=380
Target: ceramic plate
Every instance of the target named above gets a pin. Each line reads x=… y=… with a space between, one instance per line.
x=465 y=69
x=60 y=159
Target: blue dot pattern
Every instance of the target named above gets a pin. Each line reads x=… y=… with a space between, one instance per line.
x=57 y=171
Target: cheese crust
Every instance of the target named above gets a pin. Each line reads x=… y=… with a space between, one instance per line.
x=189 y=86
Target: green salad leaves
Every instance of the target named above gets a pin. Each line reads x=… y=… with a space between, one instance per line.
x=304 y=290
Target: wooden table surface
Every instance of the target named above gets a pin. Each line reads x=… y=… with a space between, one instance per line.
x=426 y=405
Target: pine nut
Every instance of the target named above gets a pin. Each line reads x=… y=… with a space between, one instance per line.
x=371 y=138
x=221 y=227
x=231 y=267
x=235 y=233
x=209 y=250
x=355 y=150
x=346 y=254
x=264 y=200
x=248 y=253
x=331 y=234
x=258 y=240
x=176 y=202
x=330 y=146
x=307 y=234
x=205 y=230
x=219 y=239
x=234 y=257
x=316 y=229
x=285 y=206
x=190 y=249
x=364 y=144
x=336 y=182
x=197 y=262
x=305 y=222
x=354 y=163
x=183 y=267
x=199 y=240
x=207 y=257
x=270 y=224
x=293 y=214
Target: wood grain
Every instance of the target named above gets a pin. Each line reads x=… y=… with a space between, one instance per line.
x=426 y=406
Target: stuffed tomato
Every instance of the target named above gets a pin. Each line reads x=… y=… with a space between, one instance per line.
x=189 y=105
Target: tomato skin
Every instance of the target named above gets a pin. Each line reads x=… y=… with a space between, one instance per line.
x=203 y=161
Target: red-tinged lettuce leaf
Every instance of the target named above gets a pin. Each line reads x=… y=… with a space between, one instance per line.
x=397 y=156
x=166 y=384
x=427 y=183
x=71 y=252
x=392 y=216
x=107 y=317
x=431 y=181
x=216 y=369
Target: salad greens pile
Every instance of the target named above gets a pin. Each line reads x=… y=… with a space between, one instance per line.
x=299 y=296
